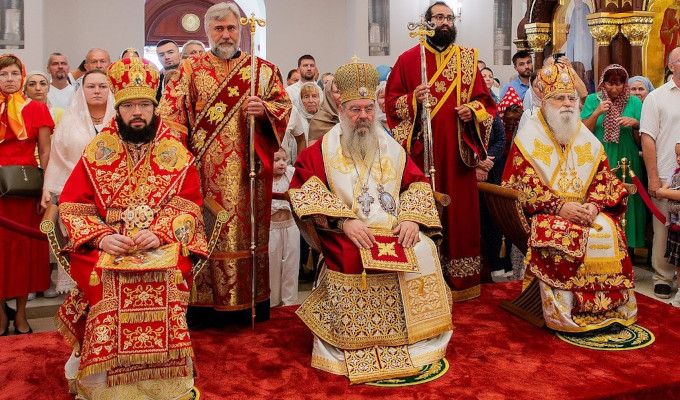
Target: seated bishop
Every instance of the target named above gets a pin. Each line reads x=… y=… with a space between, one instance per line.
x=132 y=211
x=577 y=249
x=381 y=308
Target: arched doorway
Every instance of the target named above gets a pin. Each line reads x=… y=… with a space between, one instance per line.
x=181 y=21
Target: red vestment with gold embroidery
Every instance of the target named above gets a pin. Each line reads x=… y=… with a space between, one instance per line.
x=591 y=263
x=203 y=104
x=455 y=82
x=131 y=324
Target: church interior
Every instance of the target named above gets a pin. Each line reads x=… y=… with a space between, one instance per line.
x=493 y=354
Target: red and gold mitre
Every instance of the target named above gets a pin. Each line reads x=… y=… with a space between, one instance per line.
x=133 y=78
x=554 y=79
x=356 y=81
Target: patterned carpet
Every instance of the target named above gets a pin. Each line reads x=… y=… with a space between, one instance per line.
x=493 y=356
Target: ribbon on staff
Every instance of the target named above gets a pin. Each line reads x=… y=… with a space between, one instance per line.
x=22 y=229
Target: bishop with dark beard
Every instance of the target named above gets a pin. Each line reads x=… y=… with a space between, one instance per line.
x=462 y=114
x=134 y=193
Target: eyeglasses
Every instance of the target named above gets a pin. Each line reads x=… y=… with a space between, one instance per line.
x=673 y=62
x=355 y=110
x=442 y=17
x=146 y=106
x=7 y=75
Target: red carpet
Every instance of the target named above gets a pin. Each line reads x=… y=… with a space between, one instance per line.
x=493 y=356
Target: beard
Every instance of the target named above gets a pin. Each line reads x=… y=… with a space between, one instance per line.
x=444 y=37
x=141 y=135
x=223 y=49
x=358 y=139
x=564 y=122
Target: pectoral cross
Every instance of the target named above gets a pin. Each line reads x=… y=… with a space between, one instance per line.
x=365 y=199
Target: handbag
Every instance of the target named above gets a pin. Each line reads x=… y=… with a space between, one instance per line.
x=21 y=181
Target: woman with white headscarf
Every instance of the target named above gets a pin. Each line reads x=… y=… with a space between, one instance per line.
x=298 y=124
x=90 y=110
x=640 y=87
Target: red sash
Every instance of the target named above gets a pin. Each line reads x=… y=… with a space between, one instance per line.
x=221 y=107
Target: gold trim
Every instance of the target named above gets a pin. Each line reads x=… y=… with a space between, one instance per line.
x=314 y=198
x=467 y=294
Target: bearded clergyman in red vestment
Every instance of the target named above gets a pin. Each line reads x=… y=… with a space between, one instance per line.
x=132 y=210
x=208 y=102
x=462 y=116
x=577 y=249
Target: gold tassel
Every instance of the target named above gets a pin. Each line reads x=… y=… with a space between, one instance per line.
x=503 y=251
x=185 y=251
x=94 y=278
x=178 y=277
x=310 y=262
x=363 y=285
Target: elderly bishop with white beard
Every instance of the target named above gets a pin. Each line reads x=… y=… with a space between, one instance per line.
x=381 y=308
x=577 y=249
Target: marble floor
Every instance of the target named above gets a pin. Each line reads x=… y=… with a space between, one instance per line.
x=41 y=311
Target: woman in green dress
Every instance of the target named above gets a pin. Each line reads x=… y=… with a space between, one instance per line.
x=613 y=115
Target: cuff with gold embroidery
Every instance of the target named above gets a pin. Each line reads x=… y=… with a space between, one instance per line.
x=314 y=198
x=478 y=110
x=83 y=224
x=181 y=221
x=417 y=204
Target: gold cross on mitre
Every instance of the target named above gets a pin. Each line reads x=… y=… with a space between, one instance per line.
x=254 y=22
x=422 y=29
x=355 y=59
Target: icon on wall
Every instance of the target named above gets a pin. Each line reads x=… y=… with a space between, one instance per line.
x=12 y=24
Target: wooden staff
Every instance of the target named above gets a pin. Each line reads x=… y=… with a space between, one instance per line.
x=422 y=30
x=253 y=22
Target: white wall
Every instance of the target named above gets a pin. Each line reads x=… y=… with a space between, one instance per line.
x=32 y=52
x=72 y=27
x=297 y=27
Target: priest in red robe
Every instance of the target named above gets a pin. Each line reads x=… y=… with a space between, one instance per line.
x=381 y=308
x=132 y=210
x=462 y=115
x=208 y=103
x=577 y=249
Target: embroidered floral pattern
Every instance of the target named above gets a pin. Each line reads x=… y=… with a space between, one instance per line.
x=417 y=204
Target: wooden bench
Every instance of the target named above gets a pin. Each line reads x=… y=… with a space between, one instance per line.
x=505 y=207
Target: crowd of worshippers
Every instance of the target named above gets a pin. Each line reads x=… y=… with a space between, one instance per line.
x=130 y=152
x=614 y=110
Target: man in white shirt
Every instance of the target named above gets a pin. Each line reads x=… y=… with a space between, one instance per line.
x=61 y=91
x=308 y=73
x=660 y=125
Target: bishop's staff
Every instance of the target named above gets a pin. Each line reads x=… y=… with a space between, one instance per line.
x=253 y=22
x=423 y=29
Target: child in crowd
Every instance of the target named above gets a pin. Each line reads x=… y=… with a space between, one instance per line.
x=671 y=191
x=284 y=239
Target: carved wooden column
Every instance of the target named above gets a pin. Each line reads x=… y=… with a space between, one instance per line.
x=636 y=29
x=603 y=28
x=538 y=35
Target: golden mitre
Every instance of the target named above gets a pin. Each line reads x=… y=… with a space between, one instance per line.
x=554 y=79
x=356 y=81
